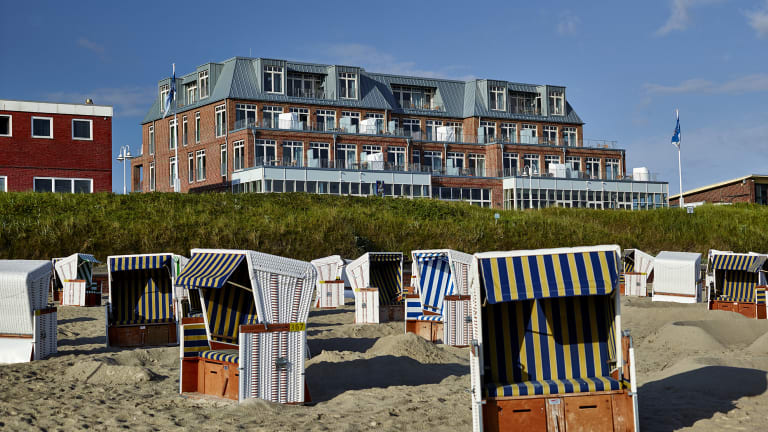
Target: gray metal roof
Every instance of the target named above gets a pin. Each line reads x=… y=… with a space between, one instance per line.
x=239 y=78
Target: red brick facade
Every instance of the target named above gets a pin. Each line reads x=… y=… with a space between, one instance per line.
x=737 y=191
x=23 y=157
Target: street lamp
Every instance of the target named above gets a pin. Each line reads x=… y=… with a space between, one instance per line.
x=124 y=156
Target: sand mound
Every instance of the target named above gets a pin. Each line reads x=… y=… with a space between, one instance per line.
x=413 y=346
x=732 y=332
x=760 y=345
x=97 y=372
x=678 y=337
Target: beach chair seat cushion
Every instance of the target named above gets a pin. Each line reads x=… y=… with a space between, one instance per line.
x=423 y=317
x=142 y=321
x=553 y=386
x=229 y=356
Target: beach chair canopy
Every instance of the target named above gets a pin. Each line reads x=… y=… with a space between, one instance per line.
x=77 y=266
x=548 y=320
x=329 y=268
x=382 y=270
x=141 y=290
x=23 y=289
x=737 y=275
x=440 y=273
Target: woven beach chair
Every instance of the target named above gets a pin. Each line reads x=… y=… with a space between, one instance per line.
x=74 y=277
x=377 y=282
x=143 y=307
x=546 y=355
x=637 y=274
x=27 y=321
x=738 y=283
x=330 y=285
x=251 y=340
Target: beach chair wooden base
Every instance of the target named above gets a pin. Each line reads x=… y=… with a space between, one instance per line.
x=93 y=299
x=210 y=377
x=395 y=312
x=457 y=330
x=330 y=294
x=429 y=330
x=135 y=335
x=748 y=309
x=598 y=411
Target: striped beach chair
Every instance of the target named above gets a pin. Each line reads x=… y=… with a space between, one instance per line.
x=142 y=305
x=377 y=282
x=739 y=283
x=439 y=311
x=254 y=312
x=546 y=355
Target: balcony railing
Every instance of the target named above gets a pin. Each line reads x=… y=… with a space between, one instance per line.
x=421 y=106
x=315 y=127
x=306 y=93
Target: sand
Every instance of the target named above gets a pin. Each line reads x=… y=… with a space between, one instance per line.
x=697 y=370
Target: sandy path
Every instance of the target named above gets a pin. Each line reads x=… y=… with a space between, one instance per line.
x=698 y=370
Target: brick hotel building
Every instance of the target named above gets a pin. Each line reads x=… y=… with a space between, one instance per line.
x=264 y=125
x=55 y=147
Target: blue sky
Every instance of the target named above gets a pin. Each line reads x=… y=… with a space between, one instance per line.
x=626 y=65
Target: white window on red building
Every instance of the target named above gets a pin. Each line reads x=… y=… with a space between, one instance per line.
x=151 y=176
x=63 y=185
x=273 y=79
x=191 y=167
x=151 y=140
x=173 y=134
x=6 y=125
x=221 y=121
x=42 y=127
x=172 y=171
x=239 y=155
x=223 y=160
x=200 y=158
x=82 y=129
x=202 y=79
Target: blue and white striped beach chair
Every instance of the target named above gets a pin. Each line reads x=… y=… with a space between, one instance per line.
x=739 y=283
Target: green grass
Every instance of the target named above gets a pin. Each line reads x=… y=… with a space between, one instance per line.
x=303 y=226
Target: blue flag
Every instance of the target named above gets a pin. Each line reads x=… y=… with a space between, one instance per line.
x=676 y=135
x=171 y=94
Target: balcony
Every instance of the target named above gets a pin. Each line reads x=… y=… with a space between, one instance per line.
x=424 y=106
x=306 y=93
x=321 y=127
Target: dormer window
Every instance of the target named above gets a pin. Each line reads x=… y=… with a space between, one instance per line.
x=556 y=102
x=164 y=90
x=273 y=79
x=202 y=82
x=414 y=97
x=498 y=99
x=191 y=93
x=347 y=85
x=525 y=103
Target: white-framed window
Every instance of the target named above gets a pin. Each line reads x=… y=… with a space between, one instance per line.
x=528 y=134
x=458 y=130
x=433 y=160
x=593 y=167
x=304 y=85
x=454 y=163
x=164 y=90
x=530 y=164
x=6 y=125
x=302 y=113
x=396 y=158
x=498 y=98
x=476 y=164
x=374 y=115
x=223 y=160
x=238 y=148
x=432 y=126
x=151 y=140
x=202 y=79
x=293 y=153
x=574 y=161
x=354 y=120
x=3 y=184
x=347 y=85
x=221 y=121
x=264 y=151
x=346 y=156
x=550 y=135
x=326 y=119
x=82 y=129
x=197 y=127
x=612 y=169
x=318 y=155
x=273 y=79
x=271 y=116
x=172 y=173
x=151 y=176
x=191 y=167
x=412 y=127
x=62 y=185
x=509 y=132
x=556 y=102
x=245 y=115
x=191 y=93
x=184 y=130
x=549 y=160
x=173 y=134
x=489 y=130
x=474 y=196
x=414 y=97
x=524 y=103
x=200 y=158
x=570 y=136
x=416 y=157
x=510 y=161
x=42 y=127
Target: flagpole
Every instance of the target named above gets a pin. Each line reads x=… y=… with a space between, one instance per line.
x=680 y=172
x=176 y=133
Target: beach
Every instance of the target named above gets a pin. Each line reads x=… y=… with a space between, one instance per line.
x=698 y=370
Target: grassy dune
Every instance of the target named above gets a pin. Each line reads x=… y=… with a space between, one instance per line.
x=303 y=226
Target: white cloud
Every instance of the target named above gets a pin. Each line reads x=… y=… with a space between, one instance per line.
x=744 y=84
x=91 y=46
x=758 y=20
x=679 y=17
x=569 y=24
x=127 y=101
x=374 y=60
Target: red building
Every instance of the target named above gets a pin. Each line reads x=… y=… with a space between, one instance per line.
x=53 y=147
